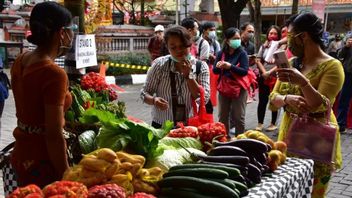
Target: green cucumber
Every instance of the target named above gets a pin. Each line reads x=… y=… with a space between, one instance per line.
x=226 y=182
x=206 y=186
x=182 y=193
x=241 y=187
x=198 y=172
x=233 y=172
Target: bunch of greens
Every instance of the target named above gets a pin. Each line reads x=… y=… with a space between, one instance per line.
x=121 y=133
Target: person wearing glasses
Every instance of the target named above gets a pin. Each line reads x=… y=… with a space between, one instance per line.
x=40 y=89
x=305 y=87
x=171 y=82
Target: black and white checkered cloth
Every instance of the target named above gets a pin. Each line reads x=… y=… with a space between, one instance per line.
x=294 y=179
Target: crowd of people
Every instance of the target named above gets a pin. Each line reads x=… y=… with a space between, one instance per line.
x=315 y=77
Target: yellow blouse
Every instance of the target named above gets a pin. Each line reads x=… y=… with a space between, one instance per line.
x=327 y=78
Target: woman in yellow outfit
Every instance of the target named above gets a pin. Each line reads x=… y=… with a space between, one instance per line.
x=304 y=88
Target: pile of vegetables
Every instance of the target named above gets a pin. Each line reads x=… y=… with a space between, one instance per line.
x=93 y=81
x=105 y=166
x=70 y=189
x=206 y=133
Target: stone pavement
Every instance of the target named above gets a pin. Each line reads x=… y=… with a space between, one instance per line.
x=340 y=185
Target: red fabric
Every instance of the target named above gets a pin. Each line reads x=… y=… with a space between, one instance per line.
x=229 y=88
x=213 y=86
x=270 y=82
x=244 y=81
x=200 y=117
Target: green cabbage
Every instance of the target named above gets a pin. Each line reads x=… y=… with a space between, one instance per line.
x=173 y=157
x=186 y=142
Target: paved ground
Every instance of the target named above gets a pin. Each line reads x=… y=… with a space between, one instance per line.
x=340 y=186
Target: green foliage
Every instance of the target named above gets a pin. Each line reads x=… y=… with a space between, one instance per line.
x=131 y=58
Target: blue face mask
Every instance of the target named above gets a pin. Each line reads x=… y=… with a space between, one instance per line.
x=235 y=43
x=188 y=57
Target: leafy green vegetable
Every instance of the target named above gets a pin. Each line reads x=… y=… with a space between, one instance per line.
x=118 y=134
x=91 y=116
x=115 y=138
x=187 y=142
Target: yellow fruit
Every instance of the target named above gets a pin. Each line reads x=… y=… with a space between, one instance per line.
x=247 y=132
x=241 y=136
x=94 y=164
x=281 y=146
x=262 y=138
x=271 y=143
x=253 y=135
x=106 y=154
x=282 y=158
x=275 y=156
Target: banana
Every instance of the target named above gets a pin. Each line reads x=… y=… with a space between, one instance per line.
x=106 y=154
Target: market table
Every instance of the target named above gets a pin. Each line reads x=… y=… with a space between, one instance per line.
x=294 y=179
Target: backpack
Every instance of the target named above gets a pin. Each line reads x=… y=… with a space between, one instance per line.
x=209 y=106
x=4 y=86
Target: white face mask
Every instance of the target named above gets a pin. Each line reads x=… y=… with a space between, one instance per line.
x=212 y=35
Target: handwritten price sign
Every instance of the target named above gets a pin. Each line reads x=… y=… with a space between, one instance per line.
x=86 y=55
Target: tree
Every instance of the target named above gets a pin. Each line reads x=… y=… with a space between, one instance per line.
x=230 y=12
x=254 y=7
x=137 y=9
x=76 y=7
x=294 y=7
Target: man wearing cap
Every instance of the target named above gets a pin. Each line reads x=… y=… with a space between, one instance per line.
x=335 y=45
x=156 y=42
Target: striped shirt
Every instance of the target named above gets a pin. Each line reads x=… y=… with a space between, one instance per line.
x=158 y=84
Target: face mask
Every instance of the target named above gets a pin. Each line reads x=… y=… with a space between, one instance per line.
x=188 y=57
x=212 y=35
x=235 y=43
x=63 y=49
x=272 y=38
x=250 y=36
x=295 y=49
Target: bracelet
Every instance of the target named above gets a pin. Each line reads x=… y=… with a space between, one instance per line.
x=154 y=100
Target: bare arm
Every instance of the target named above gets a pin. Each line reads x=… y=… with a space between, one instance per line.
x=55 y=141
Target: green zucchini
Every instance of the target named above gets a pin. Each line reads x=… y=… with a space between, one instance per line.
x=198 y=172
x=240 y=187
x=226 y=182
x=233 y=172
x=183 y=193
x=206 y=186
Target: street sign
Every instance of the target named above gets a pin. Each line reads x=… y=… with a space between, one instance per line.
x=86 y=55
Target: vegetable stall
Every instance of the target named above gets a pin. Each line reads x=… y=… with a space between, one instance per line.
x=118 y=156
